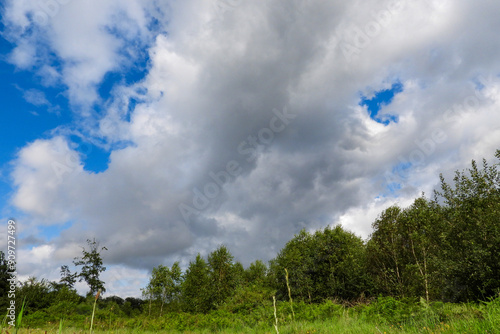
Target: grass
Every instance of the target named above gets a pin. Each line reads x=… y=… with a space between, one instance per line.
x=60 y=327
x=385 y=315
x=343 y=325
x=20 y=317
x=275 y=316
x=93 y=310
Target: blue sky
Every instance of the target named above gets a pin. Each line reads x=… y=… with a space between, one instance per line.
x=117 y=116
x=380 y=99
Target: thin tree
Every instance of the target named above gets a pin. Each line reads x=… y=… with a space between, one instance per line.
x=92 y=266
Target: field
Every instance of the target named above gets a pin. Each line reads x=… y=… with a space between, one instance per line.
x=384 y=315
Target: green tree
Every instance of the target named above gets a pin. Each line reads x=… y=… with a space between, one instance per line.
x=37 y=294
x=222 y=274
x=92 y=266
x=297 y=258
x=472 y=247
x=63 y=294
x=338 y=264
x=256 y=273
x=327 y=264
x=239 y=273
x=165 y=284
x=196 y=287
x=422 y=232
x=132 y=306
x=384 y=257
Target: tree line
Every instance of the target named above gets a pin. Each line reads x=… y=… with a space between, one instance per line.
x=446 y=248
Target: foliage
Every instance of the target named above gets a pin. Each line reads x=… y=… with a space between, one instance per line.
x=165 y=285
x=38 y=294
x=404 y=254
x=384 y=258
x=195 y=287
x=256 y=273
x=385 y=314
x=222 y=275
x=67 y=278
x=327 y=264
x=472 y=248
x=92 y=266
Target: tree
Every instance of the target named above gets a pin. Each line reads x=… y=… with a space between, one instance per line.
x=338 y=264
x=384 y=257
x=132 y=306
x=222 y=274
x=196 y=286
x=239 y=273
x=165 y=284
x=472 y=248
x=67 y=278
x=405 y=250
x=328 y=264
x=297 y=258
x=36 y=293
x=422 y=231
x=92 y=266
x=256 y=273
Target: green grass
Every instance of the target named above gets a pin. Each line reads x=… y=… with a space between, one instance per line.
x=341 y=325
x=19 y=319
x=385 y=315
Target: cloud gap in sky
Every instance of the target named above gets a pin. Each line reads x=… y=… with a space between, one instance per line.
x=381 y=99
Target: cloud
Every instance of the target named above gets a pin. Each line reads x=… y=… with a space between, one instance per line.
x=36 y=97
x=83 y=39
x=215 y=78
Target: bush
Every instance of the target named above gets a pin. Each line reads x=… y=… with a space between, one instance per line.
x=390 y=310
x=38 y=319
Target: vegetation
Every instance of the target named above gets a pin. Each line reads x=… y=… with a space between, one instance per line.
x=92 y=267
x=431 y=267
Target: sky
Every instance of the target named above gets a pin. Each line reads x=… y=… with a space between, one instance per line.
x=166 y=128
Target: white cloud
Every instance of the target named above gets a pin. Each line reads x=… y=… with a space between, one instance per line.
x=23 y=55
x=40 y=170
x=36 y=97
x=359 y=219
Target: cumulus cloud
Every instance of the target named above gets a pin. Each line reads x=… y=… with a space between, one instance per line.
x=248 y=126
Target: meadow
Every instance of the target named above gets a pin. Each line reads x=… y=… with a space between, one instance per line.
x=381 y=315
